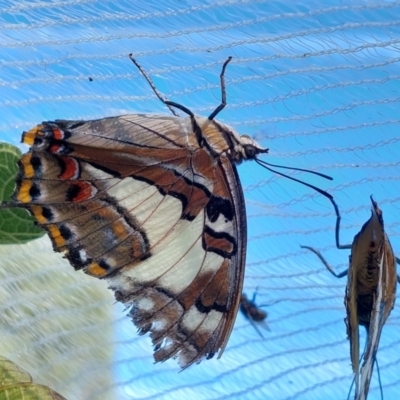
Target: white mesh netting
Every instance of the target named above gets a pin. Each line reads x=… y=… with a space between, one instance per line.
x=316 y=82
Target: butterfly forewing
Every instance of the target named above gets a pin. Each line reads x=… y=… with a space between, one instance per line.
x=370 y=294
x=140 y=201
x=370 y=291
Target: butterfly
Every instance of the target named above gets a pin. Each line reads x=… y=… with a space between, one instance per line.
x=152 y=204
x=370 y=291
x=251 y=311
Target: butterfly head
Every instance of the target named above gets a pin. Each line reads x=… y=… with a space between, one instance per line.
x=224 y=140
x=376 y=212
x=250 y=148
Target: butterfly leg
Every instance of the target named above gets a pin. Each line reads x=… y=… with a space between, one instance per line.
x=328 y=267
x=338 y=245
x=223 y=92
x=337 y=228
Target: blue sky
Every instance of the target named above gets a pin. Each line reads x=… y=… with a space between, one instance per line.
x=316 y=82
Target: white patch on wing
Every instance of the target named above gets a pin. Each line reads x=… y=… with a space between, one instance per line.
x=221 y=225
x=182 y=274
x=188 y=355
x=145 y=304
x=155 y=213
x=195 y=320
x=93 y=173
x=159 y=324
x=171 y=250
x=211 y=322
x=109 y=235
x=192 y=319
x=111 y=261
x=82 y=255
x=163 y=219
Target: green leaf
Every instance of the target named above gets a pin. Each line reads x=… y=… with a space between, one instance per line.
x=16 y=225
x=16 y=384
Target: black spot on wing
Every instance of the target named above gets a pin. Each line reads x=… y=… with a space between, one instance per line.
x=75 y=258
x=66 y=233
x=107 y=267
x=217 y=206
x=206 y=309
x=73 y=192
x=34 y=192
x=210 y=355
x=36 y=165
x=38 y=141
x=48 y=214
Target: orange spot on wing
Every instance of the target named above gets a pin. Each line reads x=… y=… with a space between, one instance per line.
x=104 y=212
x=86 y=192
x=138 y=249
x=58 y=134
x=71 y=168
x=94 y=269
x=119 y=229
x=25 y=161
x=55 y=234
x=24 y=191
x=38 y=214
x=54 y=148
x=30 y=136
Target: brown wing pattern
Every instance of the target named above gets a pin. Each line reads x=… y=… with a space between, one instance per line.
x=370 y=291
x=352 y=320
x=370 y=294
x=135 y=200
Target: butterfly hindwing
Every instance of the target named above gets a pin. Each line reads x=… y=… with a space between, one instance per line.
x=370 y=291
x=138 y=201
x=370 y=294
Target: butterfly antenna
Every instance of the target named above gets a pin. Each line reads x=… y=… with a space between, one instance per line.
x=323 y=192
x=297 y=169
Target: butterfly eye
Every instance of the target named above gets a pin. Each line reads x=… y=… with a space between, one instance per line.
x=250 y=151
